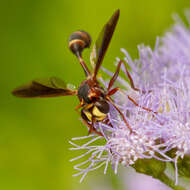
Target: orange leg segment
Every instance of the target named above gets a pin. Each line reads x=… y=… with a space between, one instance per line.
x=114 y=77
x=136 y=104
x=123 y=117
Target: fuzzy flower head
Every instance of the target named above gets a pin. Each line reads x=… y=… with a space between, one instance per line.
x=155 y=118
x=177 y=115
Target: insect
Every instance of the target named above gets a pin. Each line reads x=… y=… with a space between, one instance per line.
x=94 y=100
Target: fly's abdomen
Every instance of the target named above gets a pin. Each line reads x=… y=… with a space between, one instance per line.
x=78 y=41
x=95 y=112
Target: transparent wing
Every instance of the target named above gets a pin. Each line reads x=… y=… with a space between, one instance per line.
x=102 y=42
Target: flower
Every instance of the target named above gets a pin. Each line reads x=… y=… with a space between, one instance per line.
x=158 y=114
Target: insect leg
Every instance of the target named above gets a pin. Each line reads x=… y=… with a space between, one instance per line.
x=91 y=128
x=113 y=91
x=129 y=77
x=144 y=108
x=79 y=106
x=114 y=77
x=123 y=117
x=107 y=122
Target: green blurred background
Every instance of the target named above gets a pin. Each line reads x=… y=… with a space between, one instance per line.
x=34 y=133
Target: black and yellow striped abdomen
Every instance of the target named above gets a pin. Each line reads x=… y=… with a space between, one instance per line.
x=78 y=41
x=95 y=111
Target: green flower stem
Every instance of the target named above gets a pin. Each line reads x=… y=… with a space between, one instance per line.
x=156 y=169
x=169 y=182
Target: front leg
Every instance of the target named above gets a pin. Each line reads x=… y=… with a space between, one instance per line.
x=142 y=107
x=114 y=90
x=114 y=77
x=79 y=106
x=121 y=114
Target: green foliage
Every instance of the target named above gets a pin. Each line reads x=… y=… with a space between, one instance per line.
x=184 y=166
x=151 y=167
x=156 y=169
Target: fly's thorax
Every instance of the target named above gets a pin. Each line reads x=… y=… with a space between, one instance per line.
x=83 y=91
x=90 y=92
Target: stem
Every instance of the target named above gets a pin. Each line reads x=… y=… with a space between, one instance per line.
x=169 y=182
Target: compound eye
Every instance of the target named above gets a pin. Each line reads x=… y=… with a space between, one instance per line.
x=102 y=106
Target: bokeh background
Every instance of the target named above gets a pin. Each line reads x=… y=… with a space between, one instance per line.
x=34 y=133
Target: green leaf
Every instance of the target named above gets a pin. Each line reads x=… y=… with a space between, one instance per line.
x=184 y=166
x=150 y=167
x=156 y=169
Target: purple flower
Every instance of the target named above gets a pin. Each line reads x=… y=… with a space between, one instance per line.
x=159 y=118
